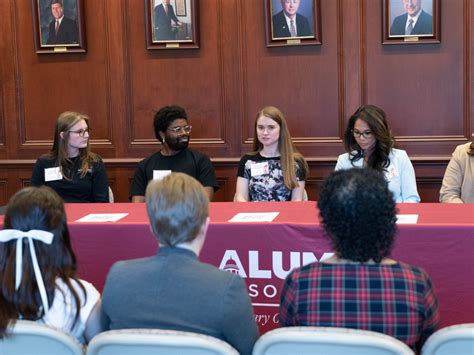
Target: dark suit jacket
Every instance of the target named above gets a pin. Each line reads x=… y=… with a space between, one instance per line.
x=174 y=290
x=163 y=28
x=423 y=26
x=280 y=26
x=67 y=32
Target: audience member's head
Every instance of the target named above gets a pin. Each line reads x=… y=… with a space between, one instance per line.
x=177 y=207
x=35 y=220
x=358 y=214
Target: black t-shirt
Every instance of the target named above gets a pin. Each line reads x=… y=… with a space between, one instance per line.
x=93 y=187
x=187 y=161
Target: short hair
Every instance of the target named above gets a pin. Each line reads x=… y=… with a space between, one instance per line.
x=376 y=119
x=165 y=116
x=35 y=208
x=60 y=2
x=177 y=207
x=358 y=214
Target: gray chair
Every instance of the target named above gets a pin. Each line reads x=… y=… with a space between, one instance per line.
x=328 y=341
x=28 y=337
x=454 y=340
x=157 y=341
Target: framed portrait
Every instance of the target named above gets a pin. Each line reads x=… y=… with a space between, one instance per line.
x=171 y=24
x=58 y=26
x=411 y=21
x=292 y=22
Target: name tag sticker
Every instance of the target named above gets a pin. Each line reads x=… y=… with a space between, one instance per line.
x=254 y=217
x=52 y=174
x=259 y=169
x=391 y=174
x=160 y=174
x=407 y=218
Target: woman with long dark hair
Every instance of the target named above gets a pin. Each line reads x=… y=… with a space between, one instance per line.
x=38 y=279
x=369 y=143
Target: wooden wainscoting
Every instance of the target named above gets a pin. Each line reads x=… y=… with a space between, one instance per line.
x=15 y=174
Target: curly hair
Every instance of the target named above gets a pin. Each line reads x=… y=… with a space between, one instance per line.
x=165 y=116
x=358 y=214
x=376 y=119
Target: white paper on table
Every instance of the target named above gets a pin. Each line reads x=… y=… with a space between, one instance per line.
x=254 y=217
x=102 y=217
x=407 y=218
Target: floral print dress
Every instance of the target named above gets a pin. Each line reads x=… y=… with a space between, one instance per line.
x=266 y=178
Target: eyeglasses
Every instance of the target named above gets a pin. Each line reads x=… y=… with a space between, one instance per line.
x=81 y=132
x=185 y=129
x=365 y=134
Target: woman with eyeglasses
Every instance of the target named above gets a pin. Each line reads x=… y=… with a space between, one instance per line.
x=70 y=168
x=274 y=171
x=368 y=142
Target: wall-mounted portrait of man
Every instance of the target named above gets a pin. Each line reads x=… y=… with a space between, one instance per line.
x=411 y=18
x=292 y=18
x=172 y=20
x=58 y=20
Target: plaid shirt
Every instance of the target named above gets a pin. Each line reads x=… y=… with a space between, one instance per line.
x=397 y=300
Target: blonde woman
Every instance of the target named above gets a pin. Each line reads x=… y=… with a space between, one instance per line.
x=70 y=168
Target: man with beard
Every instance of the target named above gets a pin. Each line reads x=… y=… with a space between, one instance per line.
x=173 y=131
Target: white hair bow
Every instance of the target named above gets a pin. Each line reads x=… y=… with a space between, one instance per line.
x=7 y=235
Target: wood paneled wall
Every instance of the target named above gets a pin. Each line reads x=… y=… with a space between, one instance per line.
x=425 y=89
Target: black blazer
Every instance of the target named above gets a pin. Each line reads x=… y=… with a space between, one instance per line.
x=280 y=26
x=67 y=32
x=423 y=26
x=163 y=28
x=163 y=20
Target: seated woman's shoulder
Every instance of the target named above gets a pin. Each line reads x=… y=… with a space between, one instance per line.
x=96 y=158
x=398 y=152
x=464 y=148
x=46 y=157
